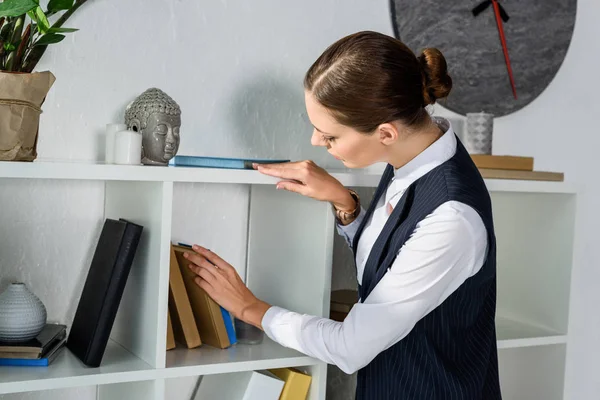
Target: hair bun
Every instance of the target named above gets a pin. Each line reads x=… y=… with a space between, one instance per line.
x=436 y=81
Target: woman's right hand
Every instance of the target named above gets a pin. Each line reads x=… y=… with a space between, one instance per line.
x=308 y=179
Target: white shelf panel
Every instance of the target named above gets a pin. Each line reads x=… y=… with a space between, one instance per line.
x=512 y=334
x=207 y=360
x=118 y=365
x=98 y=171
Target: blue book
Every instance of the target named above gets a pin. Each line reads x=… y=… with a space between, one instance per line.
x=229 y=326
x=219 y=162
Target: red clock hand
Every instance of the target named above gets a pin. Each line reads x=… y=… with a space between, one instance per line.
x=504 y=48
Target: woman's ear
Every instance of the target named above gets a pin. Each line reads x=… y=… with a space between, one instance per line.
x=388 y=133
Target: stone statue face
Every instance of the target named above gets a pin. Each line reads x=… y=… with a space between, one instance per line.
x=160 y=138
x=158 y=118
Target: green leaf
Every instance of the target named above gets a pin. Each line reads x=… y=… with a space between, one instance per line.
x=49 y=38
x=9 y=47
x=14 y=8
x=58 y=5
x=62 y=30
x=38 y=16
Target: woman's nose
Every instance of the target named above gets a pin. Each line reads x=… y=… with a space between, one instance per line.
x=316 y=139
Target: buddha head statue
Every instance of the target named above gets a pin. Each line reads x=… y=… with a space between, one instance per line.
x=158 y=118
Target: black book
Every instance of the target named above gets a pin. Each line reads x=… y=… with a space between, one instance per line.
x=103 y=290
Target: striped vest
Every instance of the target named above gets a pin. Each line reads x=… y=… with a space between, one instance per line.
x=451 y=353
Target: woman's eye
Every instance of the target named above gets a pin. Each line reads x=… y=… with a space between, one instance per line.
x=329 y=139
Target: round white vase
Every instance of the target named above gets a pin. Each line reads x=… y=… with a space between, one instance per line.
x=22 y=314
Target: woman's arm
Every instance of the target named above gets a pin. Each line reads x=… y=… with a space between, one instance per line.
x=445 y=249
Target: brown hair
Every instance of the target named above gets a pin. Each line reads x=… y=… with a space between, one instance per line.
x=368 y=78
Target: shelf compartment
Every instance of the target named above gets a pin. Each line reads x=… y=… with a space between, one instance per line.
x=512 y=334
x=118 y=365
x=535 y=249
x=532 y=372
x=207 y=360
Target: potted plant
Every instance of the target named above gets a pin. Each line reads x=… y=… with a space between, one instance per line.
x=26 y=31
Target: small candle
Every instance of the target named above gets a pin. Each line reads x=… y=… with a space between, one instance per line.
x=109 y=149
x=128 y=147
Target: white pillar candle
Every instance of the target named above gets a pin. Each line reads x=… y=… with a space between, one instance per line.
x=109 y=148
x=479 y=133
x=128 y=147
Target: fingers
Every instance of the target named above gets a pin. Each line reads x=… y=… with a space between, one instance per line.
x=284 y=173
x=204 y=285
x=293 y=187
x=214 y=258
x=198 y=264
x=288 y=165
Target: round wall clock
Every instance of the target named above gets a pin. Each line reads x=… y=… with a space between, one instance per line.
x=501 y=54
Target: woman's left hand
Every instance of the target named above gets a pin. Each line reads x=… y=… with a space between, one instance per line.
x=224 y=285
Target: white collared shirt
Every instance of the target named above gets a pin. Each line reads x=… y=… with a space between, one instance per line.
x=446 y=248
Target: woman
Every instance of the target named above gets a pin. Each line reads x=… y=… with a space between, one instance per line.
x=425 y=248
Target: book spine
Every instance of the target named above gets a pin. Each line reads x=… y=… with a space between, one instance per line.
x=227 y=320
x=23 y=362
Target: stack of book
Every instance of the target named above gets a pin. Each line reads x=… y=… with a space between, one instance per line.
x=512 y=167
x=193 y=317
x=341 y=302
x=40 y=351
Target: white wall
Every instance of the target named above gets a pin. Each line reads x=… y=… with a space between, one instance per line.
x=236 y=68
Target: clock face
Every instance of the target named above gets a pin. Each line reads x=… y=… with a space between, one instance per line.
x=537 y=35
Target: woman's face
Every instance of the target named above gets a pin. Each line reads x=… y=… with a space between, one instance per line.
x=354 y=149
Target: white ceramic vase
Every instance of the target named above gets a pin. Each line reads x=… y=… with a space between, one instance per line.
x=479 y=133
x=22 y=314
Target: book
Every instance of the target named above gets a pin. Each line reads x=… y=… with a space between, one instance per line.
x=503 y=162
x=43 y=361
x=37 y=345
x=219 y=162
x=342 y=300
x=207 y=313
x=296 y=384
x=103 y=290
x=185 y=327
x=170 y=336
x=521 y=175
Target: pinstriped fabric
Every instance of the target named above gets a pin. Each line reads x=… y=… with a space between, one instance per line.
x=451 y=353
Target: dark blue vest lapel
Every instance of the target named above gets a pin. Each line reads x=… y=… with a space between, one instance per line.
x=378 y=251
x=387 y=176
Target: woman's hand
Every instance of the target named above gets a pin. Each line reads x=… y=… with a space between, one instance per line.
x=223 y=284
x=308 y=179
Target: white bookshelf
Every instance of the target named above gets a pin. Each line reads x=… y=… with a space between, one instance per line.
x=288 y=261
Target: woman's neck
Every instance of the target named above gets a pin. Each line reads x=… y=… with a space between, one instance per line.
x=413 y=143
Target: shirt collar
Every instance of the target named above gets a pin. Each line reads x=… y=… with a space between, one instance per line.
x=436 y=154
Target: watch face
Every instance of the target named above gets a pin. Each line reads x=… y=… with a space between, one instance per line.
x=537 y=35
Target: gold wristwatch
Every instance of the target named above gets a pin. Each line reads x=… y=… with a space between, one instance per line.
x=345 y=217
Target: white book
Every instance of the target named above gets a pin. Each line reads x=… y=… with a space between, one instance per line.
x=263 y=385
x=249 y=385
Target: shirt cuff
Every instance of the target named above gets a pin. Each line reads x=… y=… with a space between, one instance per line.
x=281 y=326
x=349 y=231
